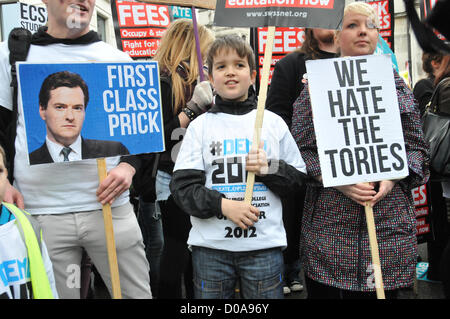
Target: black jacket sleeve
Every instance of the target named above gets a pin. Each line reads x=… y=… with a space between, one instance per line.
x=285 y=179
x=5 y=122
x=286 y=85
x=7 y=138
x=133 y=160
x=189 y=192
x=423 y=90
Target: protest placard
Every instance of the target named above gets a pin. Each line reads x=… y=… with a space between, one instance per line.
x=124 y=107
x=271 y=13
x=139 y=26
x=205 y=4
x=22 y=15
x=325 y=14
x=385 y=10
x=356 y=120
x=285 y=41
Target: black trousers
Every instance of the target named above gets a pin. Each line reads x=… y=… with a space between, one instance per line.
x=176 y=260
x=317 y=290
x=439 y=227
x=445 y=270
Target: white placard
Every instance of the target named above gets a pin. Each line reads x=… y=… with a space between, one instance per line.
x=22 y=15
x=356 y=119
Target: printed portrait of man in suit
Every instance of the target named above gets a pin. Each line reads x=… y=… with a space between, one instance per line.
x=63 y=99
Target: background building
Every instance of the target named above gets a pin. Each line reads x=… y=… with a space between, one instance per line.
x=407 y=51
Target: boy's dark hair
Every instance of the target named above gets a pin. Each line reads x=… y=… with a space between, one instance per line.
x=227 y=42
x=62 y=79
x=3 y=154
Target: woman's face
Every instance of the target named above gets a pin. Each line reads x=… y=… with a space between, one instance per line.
x=359 y=35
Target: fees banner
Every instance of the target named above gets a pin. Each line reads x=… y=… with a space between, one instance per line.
x=422 y=207
x=385 y=9
x=124 y=107
x=286 y=40
x=139 y=26
x=356 y=120
x=205 y=4
x=282 y=13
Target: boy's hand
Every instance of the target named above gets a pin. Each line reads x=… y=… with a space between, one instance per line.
x=256 y=161
x=242 y=214
x=13 y=196
x=116 y=182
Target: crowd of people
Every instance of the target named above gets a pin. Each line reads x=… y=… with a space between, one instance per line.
x=187 y=232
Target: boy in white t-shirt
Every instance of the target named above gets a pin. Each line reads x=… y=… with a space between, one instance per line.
x=23 y=275
x=233 y=241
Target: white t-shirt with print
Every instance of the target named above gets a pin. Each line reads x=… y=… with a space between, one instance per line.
x=218 y=143
x=14 y=265
x=58 y=187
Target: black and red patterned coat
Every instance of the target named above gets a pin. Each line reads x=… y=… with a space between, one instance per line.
x=334 y=242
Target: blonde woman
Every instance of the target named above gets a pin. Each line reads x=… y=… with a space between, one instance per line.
x=335 y=245
x=182 y=100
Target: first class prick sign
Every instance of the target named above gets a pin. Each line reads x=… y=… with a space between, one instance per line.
x=357 y=120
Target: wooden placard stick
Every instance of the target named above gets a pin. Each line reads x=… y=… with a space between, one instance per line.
x=374 y=251
x=109 y=234
x=260 y=108
x=204 y=4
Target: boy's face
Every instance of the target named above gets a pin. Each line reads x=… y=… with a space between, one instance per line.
x=231 y=75
x=3 y=178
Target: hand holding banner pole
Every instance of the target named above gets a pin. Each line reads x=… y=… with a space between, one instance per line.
x=109 y=234
x=260 y=108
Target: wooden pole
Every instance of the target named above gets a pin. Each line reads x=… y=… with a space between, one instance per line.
x=260 y=109
x=374 y=252
x=109 y=234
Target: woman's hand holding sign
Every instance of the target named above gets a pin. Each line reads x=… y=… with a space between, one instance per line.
x=118 y=180
x=360 y=193
x=384 y=188
x=364 y=193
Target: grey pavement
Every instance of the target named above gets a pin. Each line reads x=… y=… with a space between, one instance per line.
x=422 y=290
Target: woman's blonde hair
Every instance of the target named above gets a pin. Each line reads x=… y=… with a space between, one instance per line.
x=364 y=9
x=177 y=48
x=360 y=8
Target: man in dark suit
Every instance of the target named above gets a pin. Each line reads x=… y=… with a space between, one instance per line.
x=63 y=99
